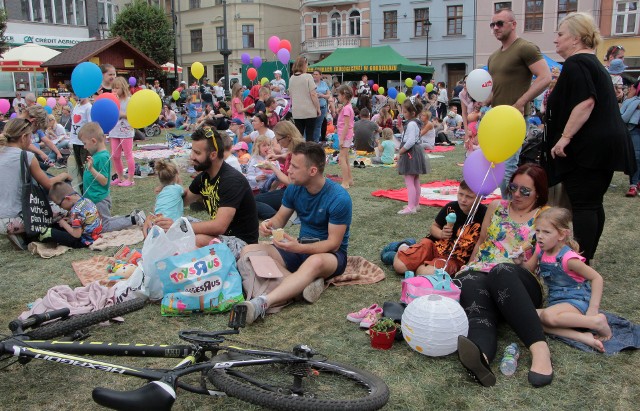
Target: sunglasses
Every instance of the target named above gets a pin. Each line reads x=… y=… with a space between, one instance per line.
x=65 y=198
x=524 y=191
x=498 y=24
x=208 y=132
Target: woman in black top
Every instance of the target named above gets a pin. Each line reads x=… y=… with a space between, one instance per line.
x=587 y=137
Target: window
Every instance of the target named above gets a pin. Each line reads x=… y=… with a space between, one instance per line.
x=36 y=10
x=533 y=15
x=25 y=14
x=220 y=37
x=625 y=17
x=196 y=41
x=194 y=4
x=218 y=72
x=354 y=23
x=80 y=13
x=501 y=5
x=421 y=17
x=218 y=2
x=390 y=24
x=454 y=20
x=247 y=36
x=336 y=25
x=48 y=11
x=565 y=7
x=314 y=27
x=61 y=17
x=105 y=10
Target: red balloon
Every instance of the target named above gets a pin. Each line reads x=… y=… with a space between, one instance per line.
x=285 y=44
x=375 y=87
x=110 y=96
x=252 y=74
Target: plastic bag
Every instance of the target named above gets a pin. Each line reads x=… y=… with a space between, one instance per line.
x=132 y=287
x=182 y=236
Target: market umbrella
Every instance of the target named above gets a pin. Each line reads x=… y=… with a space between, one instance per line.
x=168 y=68
x=28 y=57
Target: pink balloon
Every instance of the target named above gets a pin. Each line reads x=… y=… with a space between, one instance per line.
x=51 y=102
x=62 y=101
x=4 y=105
x=274 y=44
x=284 y=56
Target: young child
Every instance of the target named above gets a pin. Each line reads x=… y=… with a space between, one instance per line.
x=438 y=244
x=229 y=158
x=385 y=152
x=169 y=200
x=242 y=152
x=346 y=119
x=575 y=289
x=257 y=171
x=261 y=103
x=272 y=115
x=84 y=225
x=412 y=160
x=192 y=112
x=183 y=121
x=97 y=172
x=121 y=137
x=81 y=115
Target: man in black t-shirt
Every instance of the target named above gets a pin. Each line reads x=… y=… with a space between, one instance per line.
x=225 y=192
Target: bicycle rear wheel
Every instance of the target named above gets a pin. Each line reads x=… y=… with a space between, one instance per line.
x=78 y=322
x=326 y=386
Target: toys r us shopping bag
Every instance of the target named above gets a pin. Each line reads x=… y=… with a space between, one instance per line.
x=202 y=281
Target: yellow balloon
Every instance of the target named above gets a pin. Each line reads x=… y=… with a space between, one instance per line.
x=143 y=108
x=42 y=101
x=408 y=82
x=264 y=81
x=197 y=70
x=381 y=90
x=429 y=88
x=401 y=97
x=501 y=133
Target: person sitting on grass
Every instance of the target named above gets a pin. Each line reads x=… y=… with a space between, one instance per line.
x=169 y=200
x=438 y=244
x=83 y=226
x=386 y=149
x=320 y=251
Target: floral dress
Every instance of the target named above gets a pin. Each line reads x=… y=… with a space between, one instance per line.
x=504 y=237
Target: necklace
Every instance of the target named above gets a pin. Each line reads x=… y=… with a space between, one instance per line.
x=518 y=213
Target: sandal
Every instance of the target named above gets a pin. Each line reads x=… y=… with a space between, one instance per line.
x=473 y=360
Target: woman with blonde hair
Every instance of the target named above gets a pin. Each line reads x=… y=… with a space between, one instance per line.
x=587 y=137
x=121 y=136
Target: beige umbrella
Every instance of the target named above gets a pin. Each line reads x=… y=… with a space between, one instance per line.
x=28 y=57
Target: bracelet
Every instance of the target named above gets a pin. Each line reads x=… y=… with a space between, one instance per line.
x=563 y=136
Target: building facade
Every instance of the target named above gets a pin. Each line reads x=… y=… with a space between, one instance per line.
x=331 y=24
x=620 y=27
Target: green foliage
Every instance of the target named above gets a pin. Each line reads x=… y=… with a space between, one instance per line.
x=147 y=28
x=3 y=27
x=384 y=325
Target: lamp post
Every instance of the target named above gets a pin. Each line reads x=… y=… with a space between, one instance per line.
x=175 y=43
x=428 y=24
x=103 y=27
x=225 y=47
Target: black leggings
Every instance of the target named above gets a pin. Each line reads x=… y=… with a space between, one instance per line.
x=306 y=126
x=586 y=189
x=507 y=292
x=62 y=237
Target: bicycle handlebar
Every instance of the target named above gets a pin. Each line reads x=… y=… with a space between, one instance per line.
x=17 y=326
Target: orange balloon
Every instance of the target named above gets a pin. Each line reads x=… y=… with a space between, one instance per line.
x=285 y=44
x=252 y=74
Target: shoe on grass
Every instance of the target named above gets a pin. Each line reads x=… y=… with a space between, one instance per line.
x=371 y=318
x=633 y=191
x=356 y=317
x=312 y=292
x=473 y=360
x=256 y=307
x=138 y=217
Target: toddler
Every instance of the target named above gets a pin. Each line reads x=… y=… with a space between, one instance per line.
x=259 y=168
x=385 y=152
x=272 y=115
x=242 y=152
x=169 y=200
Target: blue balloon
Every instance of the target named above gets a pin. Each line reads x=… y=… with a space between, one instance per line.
x=105 y=112
x=393 y=93
x=86 y=79
x=48 y=109
x=245 y=94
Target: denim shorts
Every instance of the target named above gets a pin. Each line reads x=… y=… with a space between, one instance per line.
x=577 y=297
x=293 y=261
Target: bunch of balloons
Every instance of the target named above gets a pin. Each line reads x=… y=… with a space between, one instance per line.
x=281 y=48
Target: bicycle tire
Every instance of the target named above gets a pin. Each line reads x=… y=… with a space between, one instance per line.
x=375 y=391
x=78 y=322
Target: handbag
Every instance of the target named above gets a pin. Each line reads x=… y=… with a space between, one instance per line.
x=439 y=283
x=36 y=210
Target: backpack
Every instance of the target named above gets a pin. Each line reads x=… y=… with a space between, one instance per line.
x=533 y=147
x=249 y=100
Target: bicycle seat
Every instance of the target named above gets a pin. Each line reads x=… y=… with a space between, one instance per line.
x=156 y=395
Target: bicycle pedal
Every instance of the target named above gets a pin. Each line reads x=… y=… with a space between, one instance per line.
x=237 y=317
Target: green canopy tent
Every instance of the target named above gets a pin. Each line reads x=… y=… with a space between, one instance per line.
x=364 y=60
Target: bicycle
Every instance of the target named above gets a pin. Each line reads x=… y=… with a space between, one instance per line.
x=298 y=380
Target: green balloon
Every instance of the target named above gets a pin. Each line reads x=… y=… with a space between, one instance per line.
x=175 y=94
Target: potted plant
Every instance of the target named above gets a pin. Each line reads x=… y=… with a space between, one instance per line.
x=383 y=333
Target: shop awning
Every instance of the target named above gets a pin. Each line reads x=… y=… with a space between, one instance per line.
x=168 y=68
x=26 y=58
x=369 y=60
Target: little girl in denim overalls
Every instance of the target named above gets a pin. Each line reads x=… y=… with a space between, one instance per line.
x=575 y=289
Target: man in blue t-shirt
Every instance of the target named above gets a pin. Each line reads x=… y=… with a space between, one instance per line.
x=320 y=252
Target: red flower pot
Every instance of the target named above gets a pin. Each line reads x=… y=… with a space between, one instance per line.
x=382 y=340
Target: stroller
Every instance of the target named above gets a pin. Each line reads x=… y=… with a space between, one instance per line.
x=284 y=107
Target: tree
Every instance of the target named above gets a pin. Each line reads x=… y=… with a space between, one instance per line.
x=147 y=28
x=3 y=27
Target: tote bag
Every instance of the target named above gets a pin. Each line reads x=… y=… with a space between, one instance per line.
x=36 y=211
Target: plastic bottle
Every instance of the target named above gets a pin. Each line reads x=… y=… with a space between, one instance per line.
x=509 y=361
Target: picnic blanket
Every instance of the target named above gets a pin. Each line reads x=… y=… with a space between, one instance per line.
x=80 y=300
x=94 y=269
x=47 y=250
x=432 y=193
x=358 y=271
x=440 y=149
x=128 y=236
x=156 y=154
x=626 y=336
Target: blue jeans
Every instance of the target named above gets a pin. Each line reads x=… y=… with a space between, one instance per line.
x=635 y=139
x=510 y=167
x=318 y=130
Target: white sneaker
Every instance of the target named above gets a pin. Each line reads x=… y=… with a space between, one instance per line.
x=312 y=292
x=407 y=210
x=139 y=216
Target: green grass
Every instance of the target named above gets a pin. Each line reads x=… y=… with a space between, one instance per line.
x=583 y=380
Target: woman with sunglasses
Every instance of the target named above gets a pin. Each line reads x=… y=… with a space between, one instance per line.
x=495 y=287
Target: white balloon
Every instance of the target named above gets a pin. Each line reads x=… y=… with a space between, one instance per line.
x=479 y=84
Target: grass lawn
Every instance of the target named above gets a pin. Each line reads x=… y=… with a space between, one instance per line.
x=582 y=380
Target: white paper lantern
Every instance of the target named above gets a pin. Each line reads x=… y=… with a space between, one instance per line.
x=431 y=325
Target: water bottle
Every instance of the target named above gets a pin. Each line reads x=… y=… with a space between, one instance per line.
x=509 y=361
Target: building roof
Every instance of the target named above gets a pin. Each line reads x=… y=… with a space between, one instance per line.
x=369 y=60
x=86 y=50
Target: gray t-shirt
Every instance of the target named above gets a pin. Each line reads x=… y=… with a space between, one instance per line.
x=11 y=181
x=364 y=135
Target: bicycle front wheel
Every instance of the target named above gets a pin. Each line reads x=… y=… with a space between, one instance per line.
x=325 y=386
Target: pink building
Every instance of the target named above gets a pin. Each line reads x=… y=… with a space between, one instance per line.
x=331 y=24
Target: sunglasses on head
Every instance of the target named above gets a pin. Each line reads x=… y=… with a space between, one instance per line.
x=524 y=191
x=208 y=132
x=498 y=24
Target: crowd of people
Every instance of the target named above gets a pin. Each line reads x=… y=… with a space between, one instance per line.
x=255 y=171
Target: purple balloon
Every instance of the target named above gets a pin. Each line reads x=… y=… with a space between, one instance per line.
x=371 y=83
x=476 y=167
x=257 y=62
x=246 y=58
x=105 y=112
x=13 y=115
x=418 y=79
x=284 y=56
x=132 y=83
